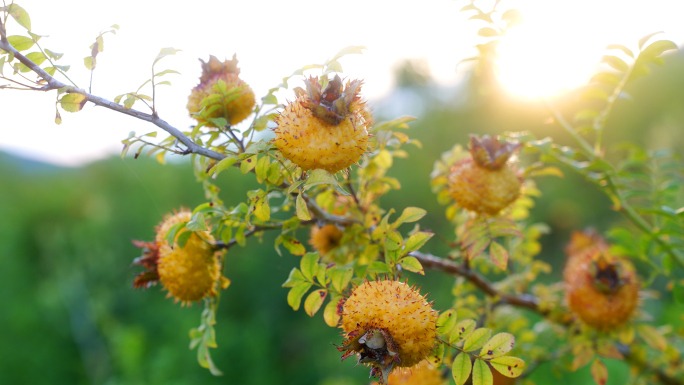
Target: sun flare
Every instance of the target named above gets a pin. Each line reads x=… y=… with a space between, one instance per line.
x=534 y=65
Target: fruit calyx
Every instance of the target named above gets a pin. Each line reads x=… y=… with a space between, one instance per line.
x=149 y=260
x=215 y=67
x=489 y=152
x=608 y=277
x=332 y=104
x=375 y=347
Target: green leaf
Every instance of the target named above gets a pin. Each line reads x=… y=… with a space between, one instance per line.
x=219 y=122
x=411 y=264
x=477 y=247
x=606 y=78
x=302 y=210
x=129 y=102
x=678 y=293
x=652 y=336
x=378 y=267
x=513 y=17
x=262 y=168
x=90 y=62
x=309 y=265
x=622 y=48
x=20 y=43
x=657 y=48
x=482 y=375
x=546 y=171
x=330 y=312
x=644 y=39
x=314 y=301
x=293 y=245
x=352 y=49
x=270 y=99
x=341 y=277
x=183 y=238
x=594 y=93
x=497 y=346
x=499 y=255
x=164 y=53
x=437 y=355
x=393 y=240
x=615 y=62
x=321 y=177
x=224 y=164
x=167 y=72
x=599 y=372
x=477 y=339
x=333 y=66
x=417 y=240
x=462 y=330
x=294 y=296
x=197 y=223
x=164 y=83
x=446 y=322
x=508 y=366
x=73 y=102
x=383 y=159
x=248 y=164
x=587 y=114
x=461 y=367
x=240 y=235
x=262 y=210
x=20 y=15
x=294 y=278
x=410 y=214
x=294 y=186
x=488 y=32
x=36 y=57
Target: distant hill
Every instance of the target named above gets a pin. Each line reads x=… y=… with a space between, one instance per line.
x=19 y=164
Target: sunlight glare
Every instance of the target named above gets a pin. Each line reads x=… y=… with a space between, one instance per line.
x=533 y=65
x=560 y=44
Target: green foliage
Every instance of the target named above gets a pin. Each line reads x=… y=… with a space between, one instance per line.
x=500 y=302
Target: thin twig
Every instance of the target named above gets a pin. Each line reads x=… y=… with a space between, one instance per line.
x=233 y=242
x=585 y=146
x=436 y=263
x=238 y=142
x=53 y=84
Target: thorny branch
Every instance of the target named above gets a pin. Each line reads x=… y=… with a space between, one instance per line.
x=623 y=206
x=192 y=147
x=54 y=84
x=526 y=301
x=429 y=261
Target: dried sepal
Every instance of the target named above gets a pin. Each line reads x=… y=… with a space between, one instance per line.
x=489 y=152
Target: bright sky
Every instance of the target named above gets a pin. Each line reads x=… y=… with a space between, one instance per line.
x=558 y=47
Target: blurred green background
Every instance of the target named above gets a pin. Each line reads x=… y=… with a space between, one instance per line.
x=70 y=315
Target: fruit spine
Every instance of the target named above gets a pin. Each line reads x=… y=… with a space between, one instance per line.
x=189 y=273
x=485 y=182
x=233 y=109
x=324 y=129
x=602 y=289
x=388 y=324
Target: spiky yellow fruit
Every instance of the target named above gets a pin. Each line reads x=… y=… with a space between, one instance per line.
x=192 y=272
x=389 y=324
x=325 y=239
x=601 y=288
x=324 y=130
x=422 y=374
x=234 y=110
x=485 y=182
